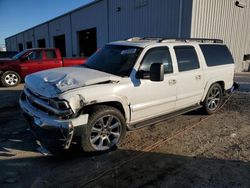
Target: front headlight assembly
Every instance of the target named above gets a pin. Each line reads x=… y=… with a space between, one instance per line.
x=59 y=104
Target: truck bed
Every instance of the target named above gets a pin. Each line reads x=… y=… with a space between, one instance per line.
x=73 y=61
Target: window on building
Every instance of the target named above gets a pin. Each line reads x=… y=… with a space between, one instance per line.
x=50 y=54
x=187 y=58
x=157 y=55
x=35 y=55
x=41 y=43
x=216 y=54
x=29 y=44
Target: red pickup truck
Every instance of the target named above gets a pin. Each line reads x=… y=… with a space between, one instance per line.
x=33 y=60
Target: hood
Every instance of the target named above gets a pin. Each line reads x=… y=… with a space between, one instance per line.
x=52 y=82
x=5 y=60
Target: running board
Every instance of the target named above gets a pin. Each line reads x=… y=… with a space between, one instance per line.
x=162 y=118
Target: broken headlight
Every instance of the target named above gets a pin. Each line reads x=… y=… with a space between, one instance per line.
x=59 y=104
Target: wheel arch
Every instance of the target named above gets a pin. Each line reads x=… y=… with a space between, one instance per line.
x=124 y=109
x=209 y=84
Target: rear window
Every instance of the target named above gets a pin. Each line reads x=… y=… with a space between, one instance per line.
x=216 y=55
x=50 y=54
x=186 y=58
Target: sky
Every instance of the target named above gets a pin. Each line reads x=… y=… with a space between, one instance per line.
x=19 y=15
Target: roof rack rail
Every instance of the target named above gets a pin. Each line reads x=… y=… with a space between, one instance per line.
x=159 y=39
x=152 y=38
x=203 y=40
x=134 y=38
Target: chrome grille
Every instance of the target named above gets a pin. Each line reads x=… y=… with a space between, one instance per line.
x=41 y=103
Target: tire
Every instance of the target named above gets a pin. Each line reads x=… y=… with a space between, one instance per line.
x=10 y=79
x=213 y=99
x=105 y=129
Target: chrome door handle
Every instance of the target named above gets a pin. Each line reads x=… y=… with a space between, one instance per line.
x=172 y=82
x=198 y=77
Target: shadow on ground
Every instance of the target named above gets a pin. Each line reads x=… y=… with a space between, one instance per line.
x=116 y=169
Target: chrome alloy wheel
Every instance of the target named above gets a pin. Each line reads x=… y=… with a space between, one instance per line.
x=11 y=79
x=214 y=98
x=105 y=132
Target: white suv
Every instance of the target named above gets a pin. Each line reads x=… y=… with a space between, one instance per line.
x=123 y=86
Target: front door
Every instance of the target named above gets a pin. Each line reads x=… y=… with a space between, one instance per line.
x=33 y=62
x=150 y=99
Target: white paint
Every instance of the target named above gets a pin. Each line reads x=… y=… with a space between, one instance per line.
x=141 y=98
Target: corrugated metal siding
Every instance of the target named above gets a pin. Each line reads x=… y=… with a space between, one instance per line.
x=61 y=26
x=20 y=40
x=90 y=17
x=159 y=18
x=8 y=44
x=41 y=32
x=222 y=19
x=28 y=37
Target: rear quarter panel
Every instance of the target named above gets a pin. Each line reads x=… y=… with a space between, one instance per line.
x=224 y=73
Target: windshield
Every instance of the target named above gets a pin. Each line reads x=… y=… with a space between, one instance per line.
x=114 y=59
x=17 y=56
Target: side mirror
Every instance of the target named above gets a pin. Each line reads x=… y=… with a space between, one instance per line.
x=156 y=72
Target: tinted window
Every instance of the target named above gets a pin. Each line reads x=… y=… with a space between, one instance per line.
x=186 y=58
x=157 y=55
x=50 y=54
x=35 y=55
x=114 y=59
x=216 y=55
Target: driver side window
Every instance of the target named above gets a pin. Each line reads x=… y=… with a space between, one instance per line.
x=157 y=55
x=34 y=55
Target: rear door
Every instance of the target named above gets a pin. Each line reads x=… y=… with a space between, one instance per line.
x=51 y=60
x=190 y=77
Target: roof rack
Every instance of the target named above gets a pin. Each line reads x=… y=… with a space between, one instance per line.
x=202 y=40
x=159 y=39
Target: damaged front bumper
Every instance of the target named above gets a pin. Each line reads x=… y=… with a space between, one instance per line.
x=52 y=133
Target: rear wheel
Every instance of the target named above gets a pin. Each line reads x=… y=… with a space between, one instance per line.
x=105 y=129
x=213 y=99
x=10 y=79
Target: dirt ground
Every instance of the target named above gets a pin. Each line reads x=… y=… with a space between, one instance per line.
x=191 y=150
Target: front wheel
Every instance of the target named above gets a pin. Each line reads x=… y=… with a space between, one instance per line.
x=213 y=99
x=10 y=79
x=105 y=129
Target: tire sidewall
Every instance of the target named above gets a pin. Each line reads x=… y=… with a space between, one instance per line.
x=85 y=140
x=7 y=73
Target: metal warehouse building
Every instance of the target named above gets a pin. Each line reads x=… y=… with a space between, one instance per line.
x=83 y=30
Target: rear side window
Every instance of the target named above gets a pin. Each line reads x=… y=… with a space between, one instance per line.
x=157 y=55
x=216 y=55
x=186 y=58
x=50 y=54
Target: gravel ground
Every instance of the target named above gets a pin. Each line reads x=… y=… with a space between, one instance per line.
x=213 y=151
